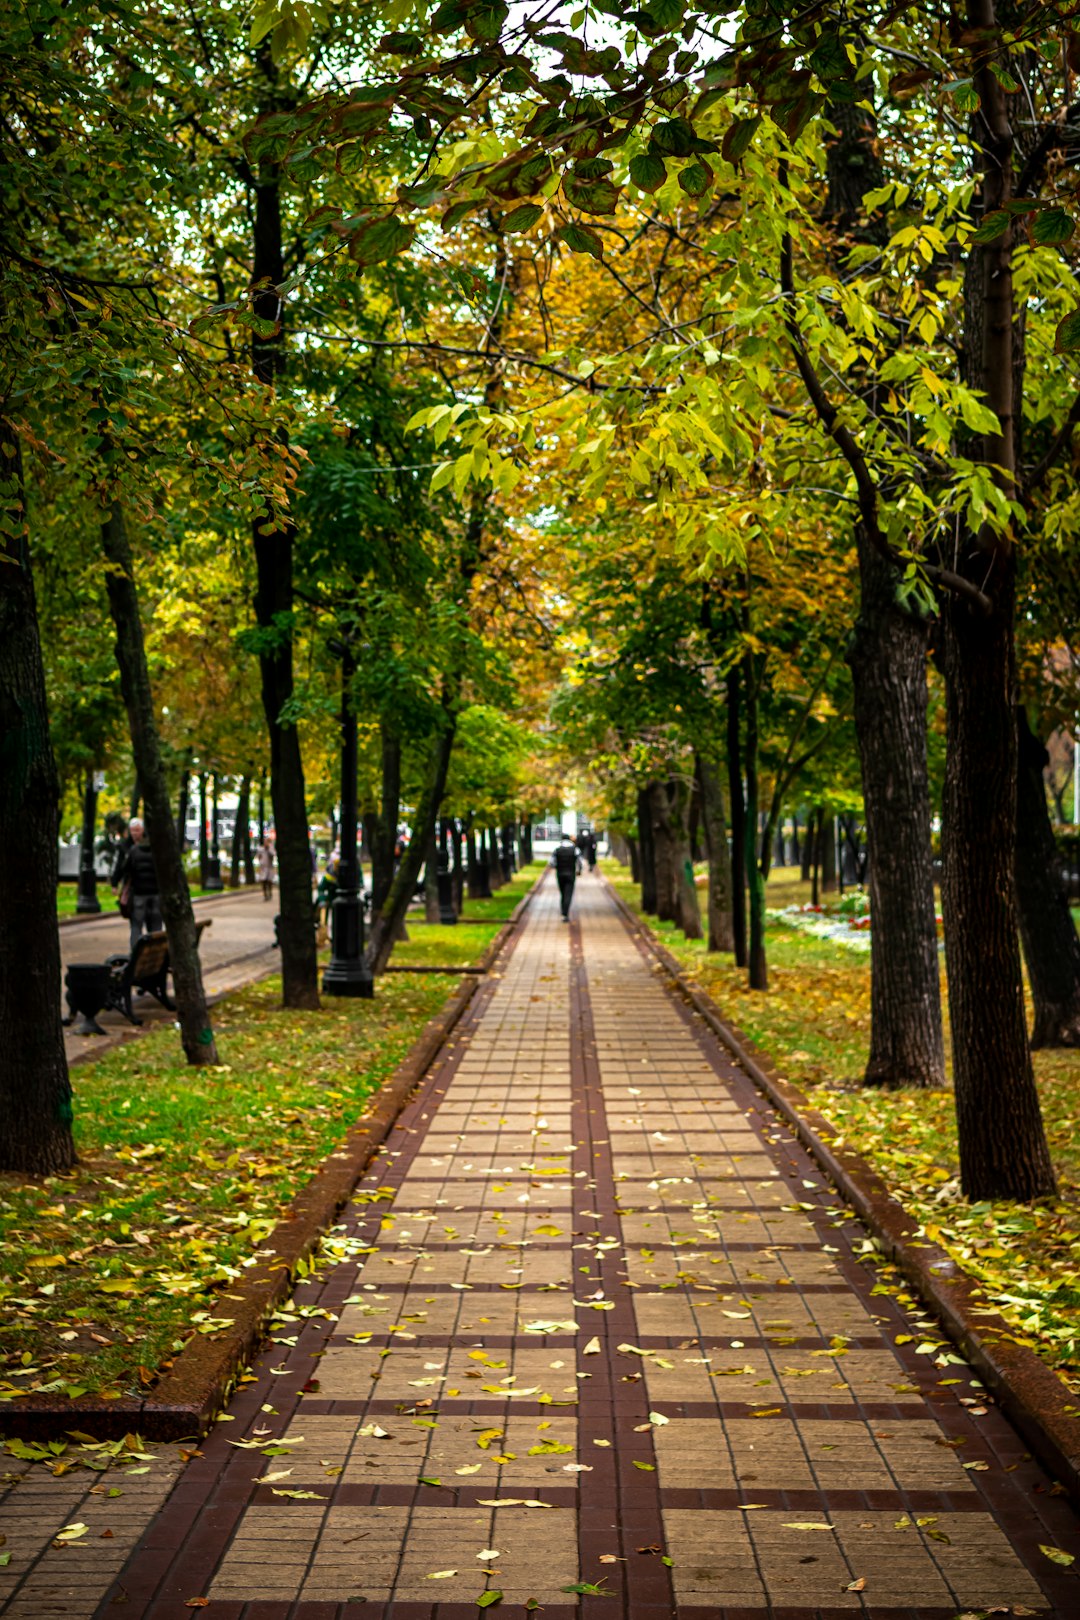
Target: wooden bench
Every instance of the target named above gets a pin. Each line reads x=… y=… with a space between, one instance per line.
x=145 y=969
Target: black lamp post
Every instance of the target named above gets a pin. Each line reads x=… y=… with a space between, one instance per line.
x=86 y=898
x=347 y=974
x=213 y=861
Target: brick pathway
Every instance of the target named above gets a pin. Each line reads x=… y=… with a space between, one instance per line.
x=595 y=1280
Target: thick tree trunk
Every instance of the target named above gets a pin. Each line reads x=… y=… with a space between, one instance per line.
x=249 y=855
x=273 y=545
x=888 y=667
x=755 y=881
x=687 y=908
x=647 y=874
x=192 y=1011
x=1003 y=1148
x=35 y=1092
x=663 y=844
x=387 y=922
x=721 y=931
x=1051 y=946
x=806 y=857
x=633 y=852
x=380 y=830
x=733 y=728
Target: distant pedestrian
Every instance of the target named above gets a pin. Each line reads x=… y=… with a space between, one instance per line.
x=136 y=873
x=590 y=849
x=567 y=863
x=266 y=868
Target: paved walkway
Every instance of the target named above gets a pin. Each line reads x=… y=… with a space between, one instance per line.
x=238 y=947
x=602 y=1326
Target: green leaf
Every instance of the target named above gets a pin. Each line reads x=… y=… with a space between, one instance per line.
x=457 y=212
x=965 y=96
x=1056 y=1556
x=488 y=1600
x=648 y=171
x=593 y=196
x=696 y=178
x=580 y=239
x=1051 y=227
x=993 y=226
x=674 y=137
x=829 y=58
x=738 y=137
x=380 y=239
x=522 y=218
x=1067 y=336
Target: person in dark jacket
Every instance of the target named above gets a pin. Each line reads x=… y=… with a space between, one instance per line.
x=567 y=864
x=136 y=866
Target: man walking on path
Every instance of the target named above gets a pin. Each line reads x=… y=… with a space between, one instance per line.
x=266 y=868
x=136 y=869
x=567 y=864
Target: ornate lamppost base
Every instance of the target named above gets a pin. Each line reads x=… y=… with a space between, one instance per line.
x=347 y=974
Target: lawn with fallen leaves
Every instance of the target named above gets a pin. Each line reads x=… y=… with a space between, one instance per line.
x=814 y=1023
x=183 y=1173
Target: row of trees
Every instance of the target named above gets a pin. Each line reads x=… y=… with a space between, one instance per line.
x=721 y=357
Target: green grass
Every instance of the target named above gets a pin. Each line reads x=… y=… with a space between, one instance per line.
x=461 y=944
x=68 y=893
x=182 y=1174
x=814 y=1023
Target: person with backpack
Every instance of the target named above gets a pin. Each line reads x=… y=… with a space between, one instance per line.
x=567 y=864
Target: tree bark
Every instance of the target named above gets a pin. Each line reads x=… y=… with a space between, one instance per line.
x=273 y=545
x=243 y=810
x=721 y=929
x=474 y=886
x=737 y=802
x=193 y=1013
x=431 y=877
x=204 y=847
x=827 y=851
x=458 y=874
x=386 y=923
x=35 y=1091
x=888 y=666
x=755 y=881
x=663 y=844
x=494 y=860
x=1003 y=1148
x=380 y=829
x=648 y=852
x=182 y=806
x=687 y=907
x=1047 y=931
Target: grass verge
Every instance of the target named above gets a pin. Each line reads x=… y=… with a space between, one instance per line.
x=814 y=1022
x=108 y=1270
x=461 y=944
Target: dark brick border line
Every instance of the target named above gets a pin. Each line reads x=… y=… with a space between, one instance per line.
x=1037 y=1402
x=193 y=1391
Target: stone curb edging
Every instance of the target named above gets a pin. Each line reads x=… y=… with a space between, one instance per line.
x=197 y=1386
x=1037 y=1402
x=246 y=890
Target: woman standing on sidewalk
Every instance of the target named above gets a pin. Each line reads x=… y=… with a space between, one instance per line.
x=266 y=868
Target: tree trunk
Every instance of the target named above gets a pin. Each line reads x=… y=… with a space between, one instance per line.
x=888 y=668
x=687 y=908
x=648 y=852
x=242 y=813
x=633 y=854
x=35 y=1092
x=1051 y=946
x=386 y=923
x=273 y=544
x=663 y=843
x=380 y=830
x=475 y=888
x=1003 y=1148
x=249 y=857
x=192 y=1011
x=721 y=932
x=827 y=851
x=496 y=877
x=458 y=875
x=738 y=814
x=817 y=835
x=431 y=877
x=807 y=852
x=755 y=882
x=182 y=806
x=204 y=847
